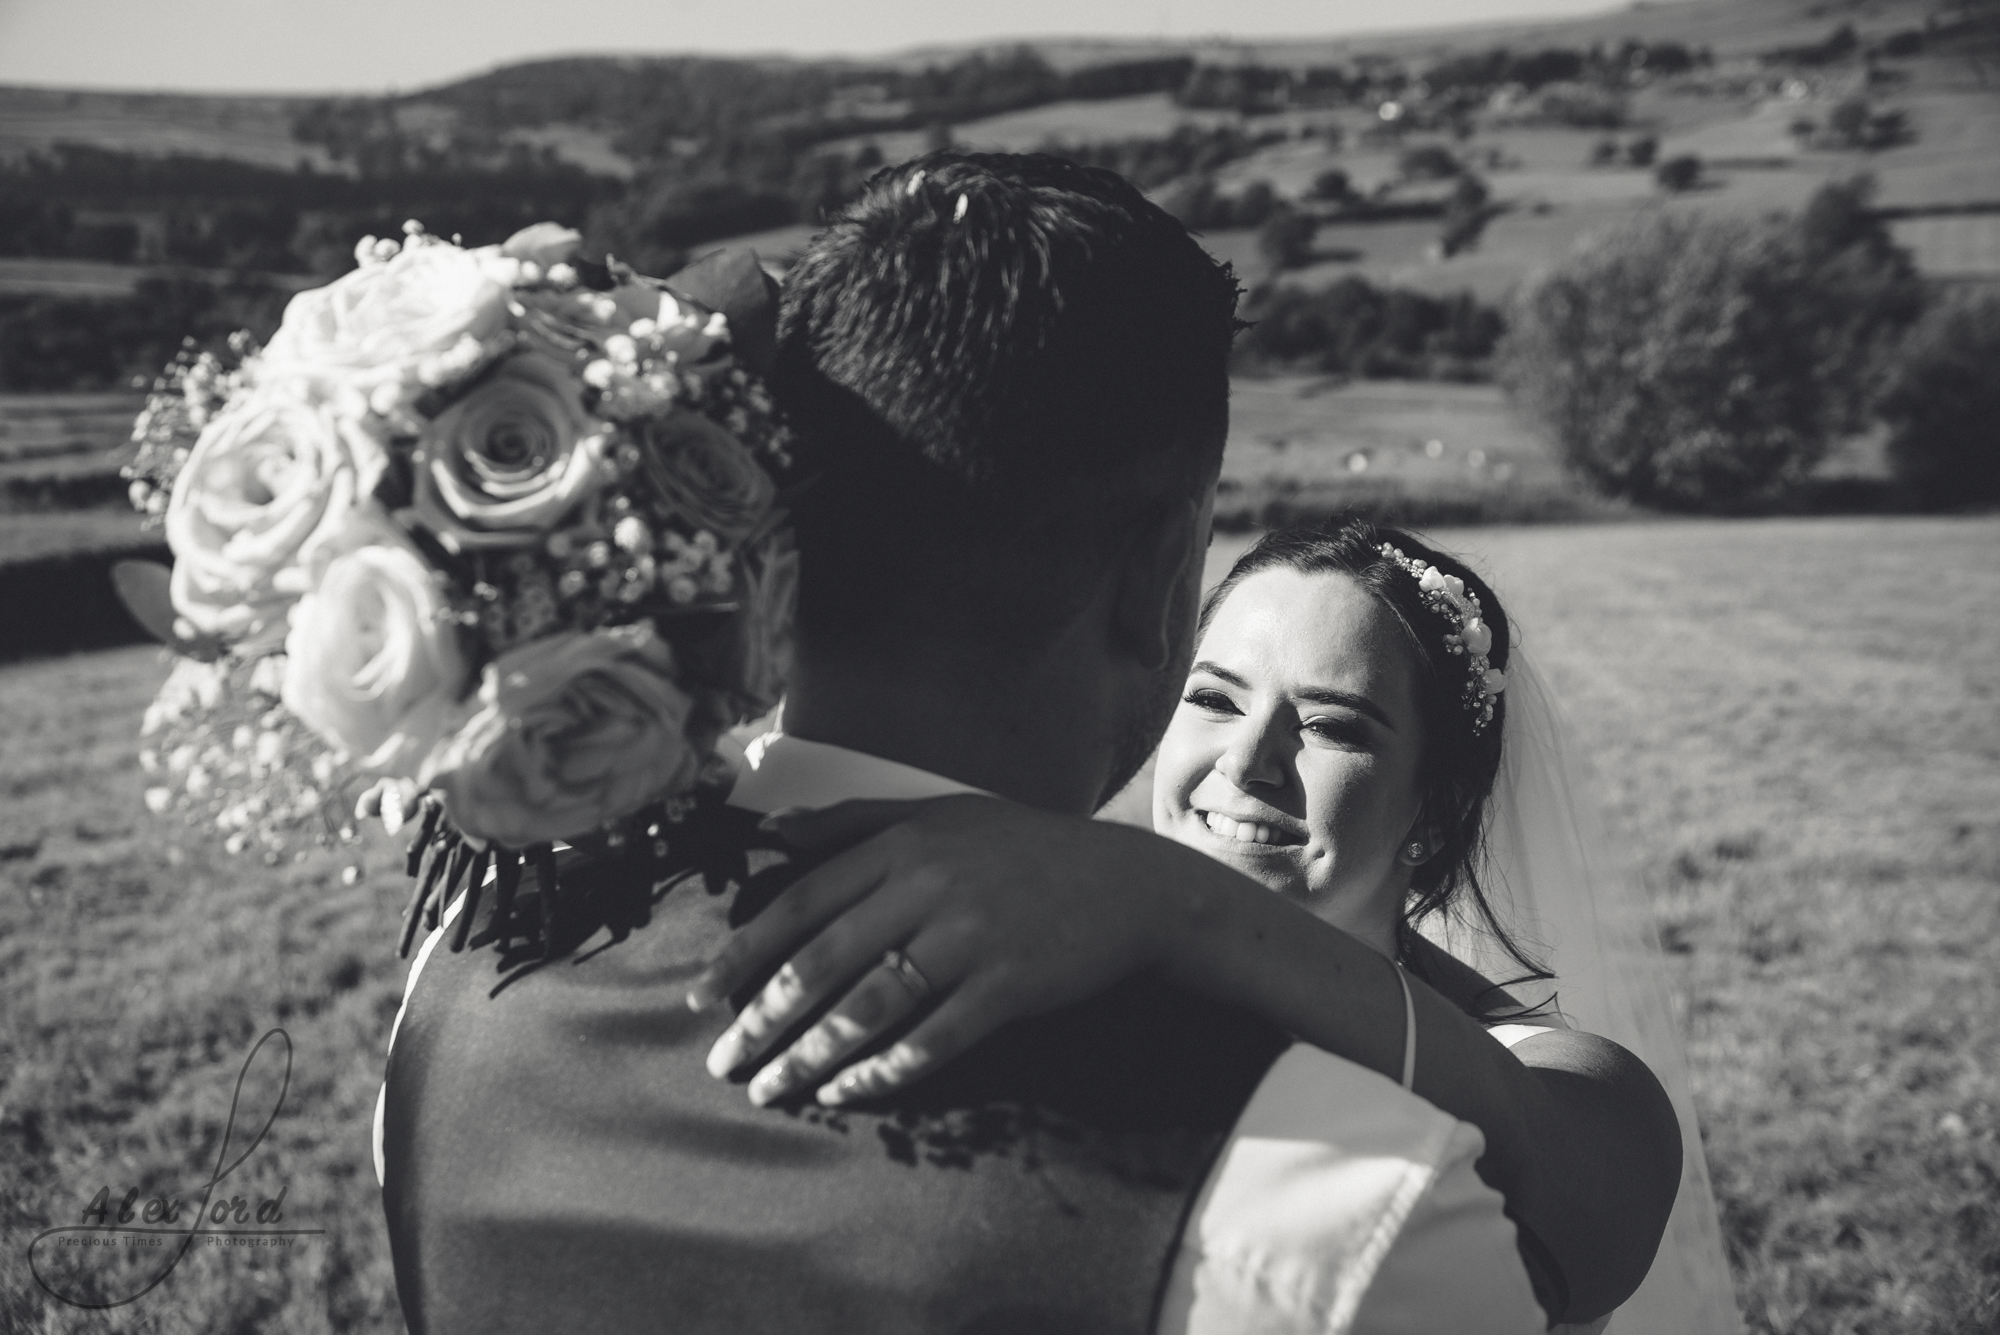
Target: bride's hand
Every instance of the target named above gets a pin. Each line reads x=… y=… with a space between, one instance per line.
x=1004 y=911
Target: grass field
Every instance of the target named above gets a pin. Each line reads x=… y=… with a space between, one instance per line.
x=250 y=129
x=1302 y=445
x=1797 y=730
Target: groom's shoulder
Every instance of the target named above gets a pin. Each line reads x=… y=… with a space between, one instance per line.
x=712 y=858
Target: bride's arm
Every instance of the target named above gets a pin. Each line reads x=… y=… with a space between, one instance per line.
x=1580 y=1137
x=1008 y=912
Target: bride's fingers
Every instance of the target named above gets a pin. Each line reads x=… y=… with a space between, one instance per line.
x=965 y=1017
x=881 y=1000
x=806 y=906
x=843 y=950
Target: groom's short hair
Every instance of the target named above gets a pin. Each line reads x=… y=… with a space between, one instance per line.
x=997 y=366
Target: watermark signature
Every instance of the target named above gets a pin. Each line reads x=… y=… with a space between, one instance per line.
x=169 y=1227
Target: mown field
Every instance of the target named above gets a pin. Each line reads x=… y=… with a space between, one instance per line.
x=1796 y=727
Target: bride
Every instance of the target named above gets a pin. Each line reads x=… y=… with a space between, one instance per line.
x=1360 y=738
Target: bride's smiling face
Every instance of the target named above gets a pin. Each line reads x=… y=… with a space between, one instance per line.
x=1294 y=754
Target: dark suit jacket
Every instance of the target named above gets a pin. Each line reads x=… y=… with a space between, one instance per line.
x=557 y=1157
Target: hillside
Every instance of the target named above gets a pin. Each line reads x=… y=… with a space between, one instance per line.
x=586 y=93
x=1436 y=163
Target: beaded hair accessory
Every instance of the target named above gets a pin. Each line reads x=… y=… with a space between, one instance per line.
x=1447 y=596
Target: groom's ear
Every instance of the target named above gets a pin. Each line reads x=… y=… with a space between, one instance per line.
x=1152 y=576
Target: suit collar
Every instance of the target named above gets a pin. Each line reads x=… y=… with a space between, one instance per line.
x=780 y=771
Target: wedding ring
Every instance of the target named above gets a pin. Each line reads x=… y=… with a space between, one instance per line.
x=907 y=973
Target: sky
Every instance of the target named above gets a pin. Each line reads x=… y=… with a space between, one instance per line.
x=380 y=45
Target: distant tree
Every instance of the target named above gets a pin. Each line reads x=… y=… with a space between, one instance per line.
x=1641 y=151
x=1886 y=129
x=1855 y=124
x=1128 y=78
x=1839 y=218
x=1352 y=327
x=1285 y=240
x=1943 y=404
x=1332 y=185
x=1901 y=44
x=1604 y=152
x=1428 y=162
x=1692 y=363
x=660 y=220
x=1198 y=204
x=1849 y=120
x=937 y=136
x=1679 y=173
x=1840 y=43
x=1466 y=214
x=1582 y=106
x=1256 y=205
x=1192 y=200
x=52 y=343
x=1837 y=46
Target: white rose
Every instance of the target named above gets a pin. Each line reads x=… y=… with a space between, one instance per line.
x=574 y=730
x=266 y=481
x=373 y=663
x=513 y=457
x=381 y=323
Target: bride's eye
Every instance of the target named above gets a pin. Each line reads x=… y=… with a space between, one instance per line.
x=1340 y=731
x=1210 y=701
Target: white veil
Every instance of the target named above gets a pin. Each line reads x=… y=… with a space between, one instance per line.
x=1551 y=881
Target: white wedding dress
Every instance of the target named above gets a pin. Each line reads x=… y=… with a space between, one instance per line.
x=1549 y=876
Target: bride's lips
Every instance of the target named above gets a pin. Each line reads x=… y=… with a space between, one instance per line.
x=1245 y=835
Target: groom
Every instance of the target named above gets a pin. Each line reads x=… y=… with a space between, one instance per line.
x=1012 y=373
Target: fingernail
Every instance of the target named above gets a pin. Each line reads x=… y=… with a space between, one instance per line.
x=769 y=1084
x=840 y=1089
x=726 y=1055
x=701 y=994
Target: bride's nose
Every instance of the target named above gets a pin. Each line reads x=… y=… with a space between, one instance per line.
x=1254 y=757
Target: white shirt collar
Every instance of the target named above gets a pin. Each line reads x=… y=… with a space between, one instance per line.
x=781 y=771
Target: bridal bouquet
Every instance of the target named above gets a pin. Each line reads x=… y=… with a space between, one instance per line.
x=489 y=536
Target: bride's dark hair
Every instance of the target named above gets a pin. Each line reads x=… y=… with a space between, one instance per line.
x=1458 y=766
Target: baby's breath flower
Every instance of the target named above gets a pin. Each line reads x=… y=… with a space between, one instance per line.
x=632 y=535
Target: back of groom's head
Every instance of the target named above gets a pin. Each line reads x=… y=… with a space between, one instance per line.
x=999 y=367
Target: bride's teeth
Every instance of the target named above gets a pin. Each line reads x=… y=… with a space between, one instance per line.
x=1242 y=831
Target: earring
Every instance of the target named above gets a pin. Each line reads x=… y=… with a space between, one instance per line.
x=1415 y=852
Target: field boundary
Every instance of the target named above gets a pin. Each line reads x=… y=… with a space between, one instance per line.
x=62 y=603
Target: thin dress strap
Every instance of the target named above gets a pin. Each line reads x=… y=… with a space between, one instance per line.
x=1409 y=1029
